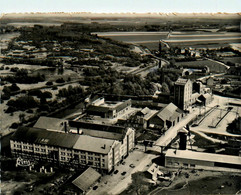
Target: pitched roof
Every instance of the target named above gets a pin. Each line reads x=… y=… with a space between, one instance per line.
x=145 y=110
x=170 y=112
x=93 y=144
x=42 y=136
x=50 y=123
x=86 y=179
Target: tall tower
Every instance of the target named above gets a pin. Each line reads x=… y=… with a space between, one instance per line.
x=183 y=93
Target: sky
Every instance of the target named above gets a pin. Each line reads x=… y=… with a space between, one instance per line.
x=119 y=6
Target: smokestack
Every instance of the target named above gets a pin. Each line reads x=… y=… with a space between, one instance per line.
x=183 y=141
x=65 y=127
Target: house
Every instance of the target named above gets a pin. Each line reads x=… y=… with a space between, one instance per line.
x=182 y=93
x=51 y=124
x=66 y=148
x=87 y=179
x=154 y=172
x=200 y=160
x=167 y=117
x=105 y=109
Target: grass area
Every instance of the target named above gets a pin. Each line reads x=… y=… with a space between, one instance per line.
x=213 y=66
x=231 y=59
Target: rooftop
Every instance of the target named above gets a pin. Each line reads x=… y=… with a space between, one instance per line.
x=86 y=179
x=42 y=136
x=106 y=131
x=93 y=144
x=211 y=157
x=170 y=112
x=50 y=123
x=181 y=81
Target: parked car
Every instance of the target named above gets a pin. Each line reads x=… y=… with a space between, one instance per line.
x=132 y=165
x=123 y=173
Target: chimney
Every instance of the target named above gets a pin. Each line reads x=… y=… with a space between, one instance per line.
x=183 y=141
x=65 y=127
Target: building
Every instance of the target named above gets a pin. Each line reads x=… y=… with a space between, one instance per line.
x=51 y=124
x=70 y=149
x=154 y=172
x=125 y=136
x=183 y=93
x=86 y=180
x=139 y=120
x=167 y=117
x=200 y=160
x=109 y=109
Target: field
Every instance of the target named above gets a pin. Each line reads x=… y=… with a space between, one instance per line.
x=231 y=59
x=197 y=40
x=215 y=67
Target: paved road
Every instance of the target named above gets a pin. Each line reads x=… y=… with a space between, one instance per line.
x=171 y=133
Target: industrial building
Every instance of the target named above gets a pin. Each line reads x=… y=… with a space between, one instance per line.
x=102 y=148
x=183 y=93
x=200 y=160
x=107 y=109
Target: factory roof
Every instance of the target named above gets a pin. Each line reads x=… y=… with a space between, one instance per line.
x=86 y=179
x=93 y=144
x=116 y=132
x=170 y=112
x=201 y=156
x=42 y=136
x=50 y=123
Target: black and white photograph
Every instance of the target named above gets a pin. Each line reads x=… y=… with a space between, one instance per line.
x=120 y=97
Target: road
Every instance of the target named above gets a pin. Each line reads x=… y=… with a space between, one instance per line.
x=171 y=133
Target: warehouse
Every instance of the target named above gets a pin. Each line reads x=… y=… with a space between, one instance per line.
x=201 y=160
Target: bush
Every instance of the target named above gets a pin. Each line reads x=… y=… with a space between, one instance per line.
x=23 y=103
x=5 y=96
x=60 y=80
x=49 y=83
x=46 y=94
x=54 y=87
x=14 y=125
x=35 y=92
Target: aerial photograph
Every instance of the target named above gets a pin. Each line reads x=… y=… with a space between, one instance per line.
x=120 y=97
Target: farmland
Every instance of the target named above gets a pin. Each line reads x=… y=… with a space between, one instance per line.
x=197 y=40
x=214 y=67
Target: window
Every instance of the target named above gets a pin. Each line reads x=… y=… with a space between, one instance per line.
x=25 y=147
x=90 y=158
x=82 y=156
x=62 y=153
x=97 y=164
x=68 y=154
x=97 y=159
x=37 y=149
x=42 y=150
x=185 y=164
x=192 y=165
x=103 y=160
x=83 y=161
x=30 y=147
x=103 y=165
x=62 y=158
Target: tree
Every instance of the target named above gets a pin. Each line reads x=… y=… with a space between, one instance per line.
x=22 y=117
